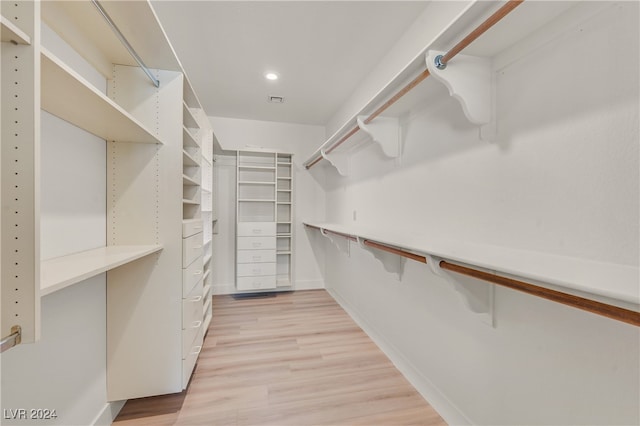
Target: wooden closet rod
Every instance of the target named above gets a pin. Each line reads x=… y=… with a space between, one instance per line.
x=599 y=308
x=473 y=35
x=609 y=311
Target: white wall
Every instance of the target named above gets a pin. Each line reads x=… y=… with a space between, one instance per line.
x=66 y=370
x=562 y=178
x=300 y=140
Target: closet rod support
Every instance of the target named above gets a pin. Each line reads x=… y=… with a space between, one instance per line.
x=125 y=42
x=439 y=64
x=11 y=340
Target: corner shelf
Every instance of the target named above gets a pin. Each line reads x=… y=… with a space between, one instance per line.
x=11 y=33
x=188 y=117
x=189 y=139
x=69 y=96
x=64 y=271
x=186 y=180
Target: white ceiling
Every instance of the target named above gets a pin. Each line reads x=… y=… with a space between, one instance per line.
x=320 y=49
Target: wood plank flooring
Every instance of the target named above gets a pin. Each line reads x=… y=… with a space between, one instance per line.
x=293 y=359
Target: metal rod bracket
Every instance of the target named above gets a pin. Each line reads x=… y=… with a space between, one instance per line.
x=438 y=62
x=15 y=338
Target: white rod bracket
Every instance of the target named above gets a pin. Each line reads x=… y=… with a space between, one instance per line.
x=342 y=243
x=391 y=263
x=469 y=81
x=338 y=160
x=385 y=131
x=477 y=296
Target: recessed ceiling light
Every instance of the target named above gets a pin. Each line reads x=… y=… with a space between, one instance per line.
x=271 y=76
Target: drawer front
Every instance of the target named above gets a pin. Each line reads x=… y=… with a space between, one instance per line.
x=256 y=283
x=256 y=256
x=191 y=249
x=190 y=228
x=191 y=275
x=256 y=243
x=192 y=307
x=189 y=360
x=189 y=337
x=256 y=229
x=255 y=269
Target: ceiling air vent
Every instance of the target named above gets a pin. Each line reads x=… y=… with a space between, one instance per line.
x=276 y=99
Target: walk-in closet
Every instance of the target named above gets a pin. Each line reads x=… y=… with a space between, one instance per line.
x=320 y=212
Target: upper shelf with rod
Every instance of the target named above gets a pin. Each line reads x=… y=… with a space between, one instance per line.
x=468 y=76
x=603 y=288
x=84 y=26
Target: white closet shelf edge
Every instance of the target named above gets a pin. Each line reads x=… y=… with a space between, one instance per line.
x=67 y=95
x=11 y=33
x=616 y=282
x=61 y=272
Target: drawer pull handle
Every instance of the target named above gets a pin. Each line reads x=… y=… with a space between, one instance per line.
x=196 y=324
x=196 y=299
x=196 y=351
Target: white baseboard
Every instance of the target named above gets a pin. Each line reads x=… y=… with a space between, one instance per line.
x=108 y=414
x=309 y=285
x=447 y=410
x=230 y=288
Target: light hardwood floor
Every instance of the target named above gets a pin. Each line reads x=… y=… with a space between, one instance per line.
x=293 y=359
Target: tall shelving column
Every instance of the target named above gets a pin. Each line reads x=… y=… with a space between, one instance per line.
x=284 y=220
x=256 y=220
x=207 y=218
x=193 y=258
x=20 y=231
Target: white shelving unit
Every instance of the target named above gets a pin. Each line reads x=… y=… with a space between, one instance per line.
x=263 y=224
x=20 y=183
x=159 y=147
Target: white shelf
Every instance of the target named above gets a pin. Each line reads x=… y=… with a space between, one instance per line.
x=284 y=178
x=207 y=258
x=188 y=139
x=283 y=202
x=11 y=33
x=283 y=222
x=254 y=200
x=588 y=277
x=64 y=271
x=284 y=190
x=188 y=118
x=70 y=97
x=246 y=182
x=186 y=180
x=283 y=252
x=188 y=160
x=206 y=275
x=190 y=202
x=283 y=236
x=256 y=167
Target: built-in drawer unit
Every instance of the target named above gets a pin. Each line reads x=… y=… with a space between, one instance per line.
x=255 y=269
x=256 y=283
x=191 y=227
x=256 y=256
x=192 y=307
x=256 y=243
x=256 y=229
x=189 y=336
x=191 y=275
x=189 y=358
x=191 y=249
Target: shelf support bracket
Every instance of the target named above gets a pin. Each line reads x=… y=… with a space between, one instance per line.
x=338 y=160
x=391 y=263
x=341 y=243
x=470 y=81
x=385 y=131
x=478 y=296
